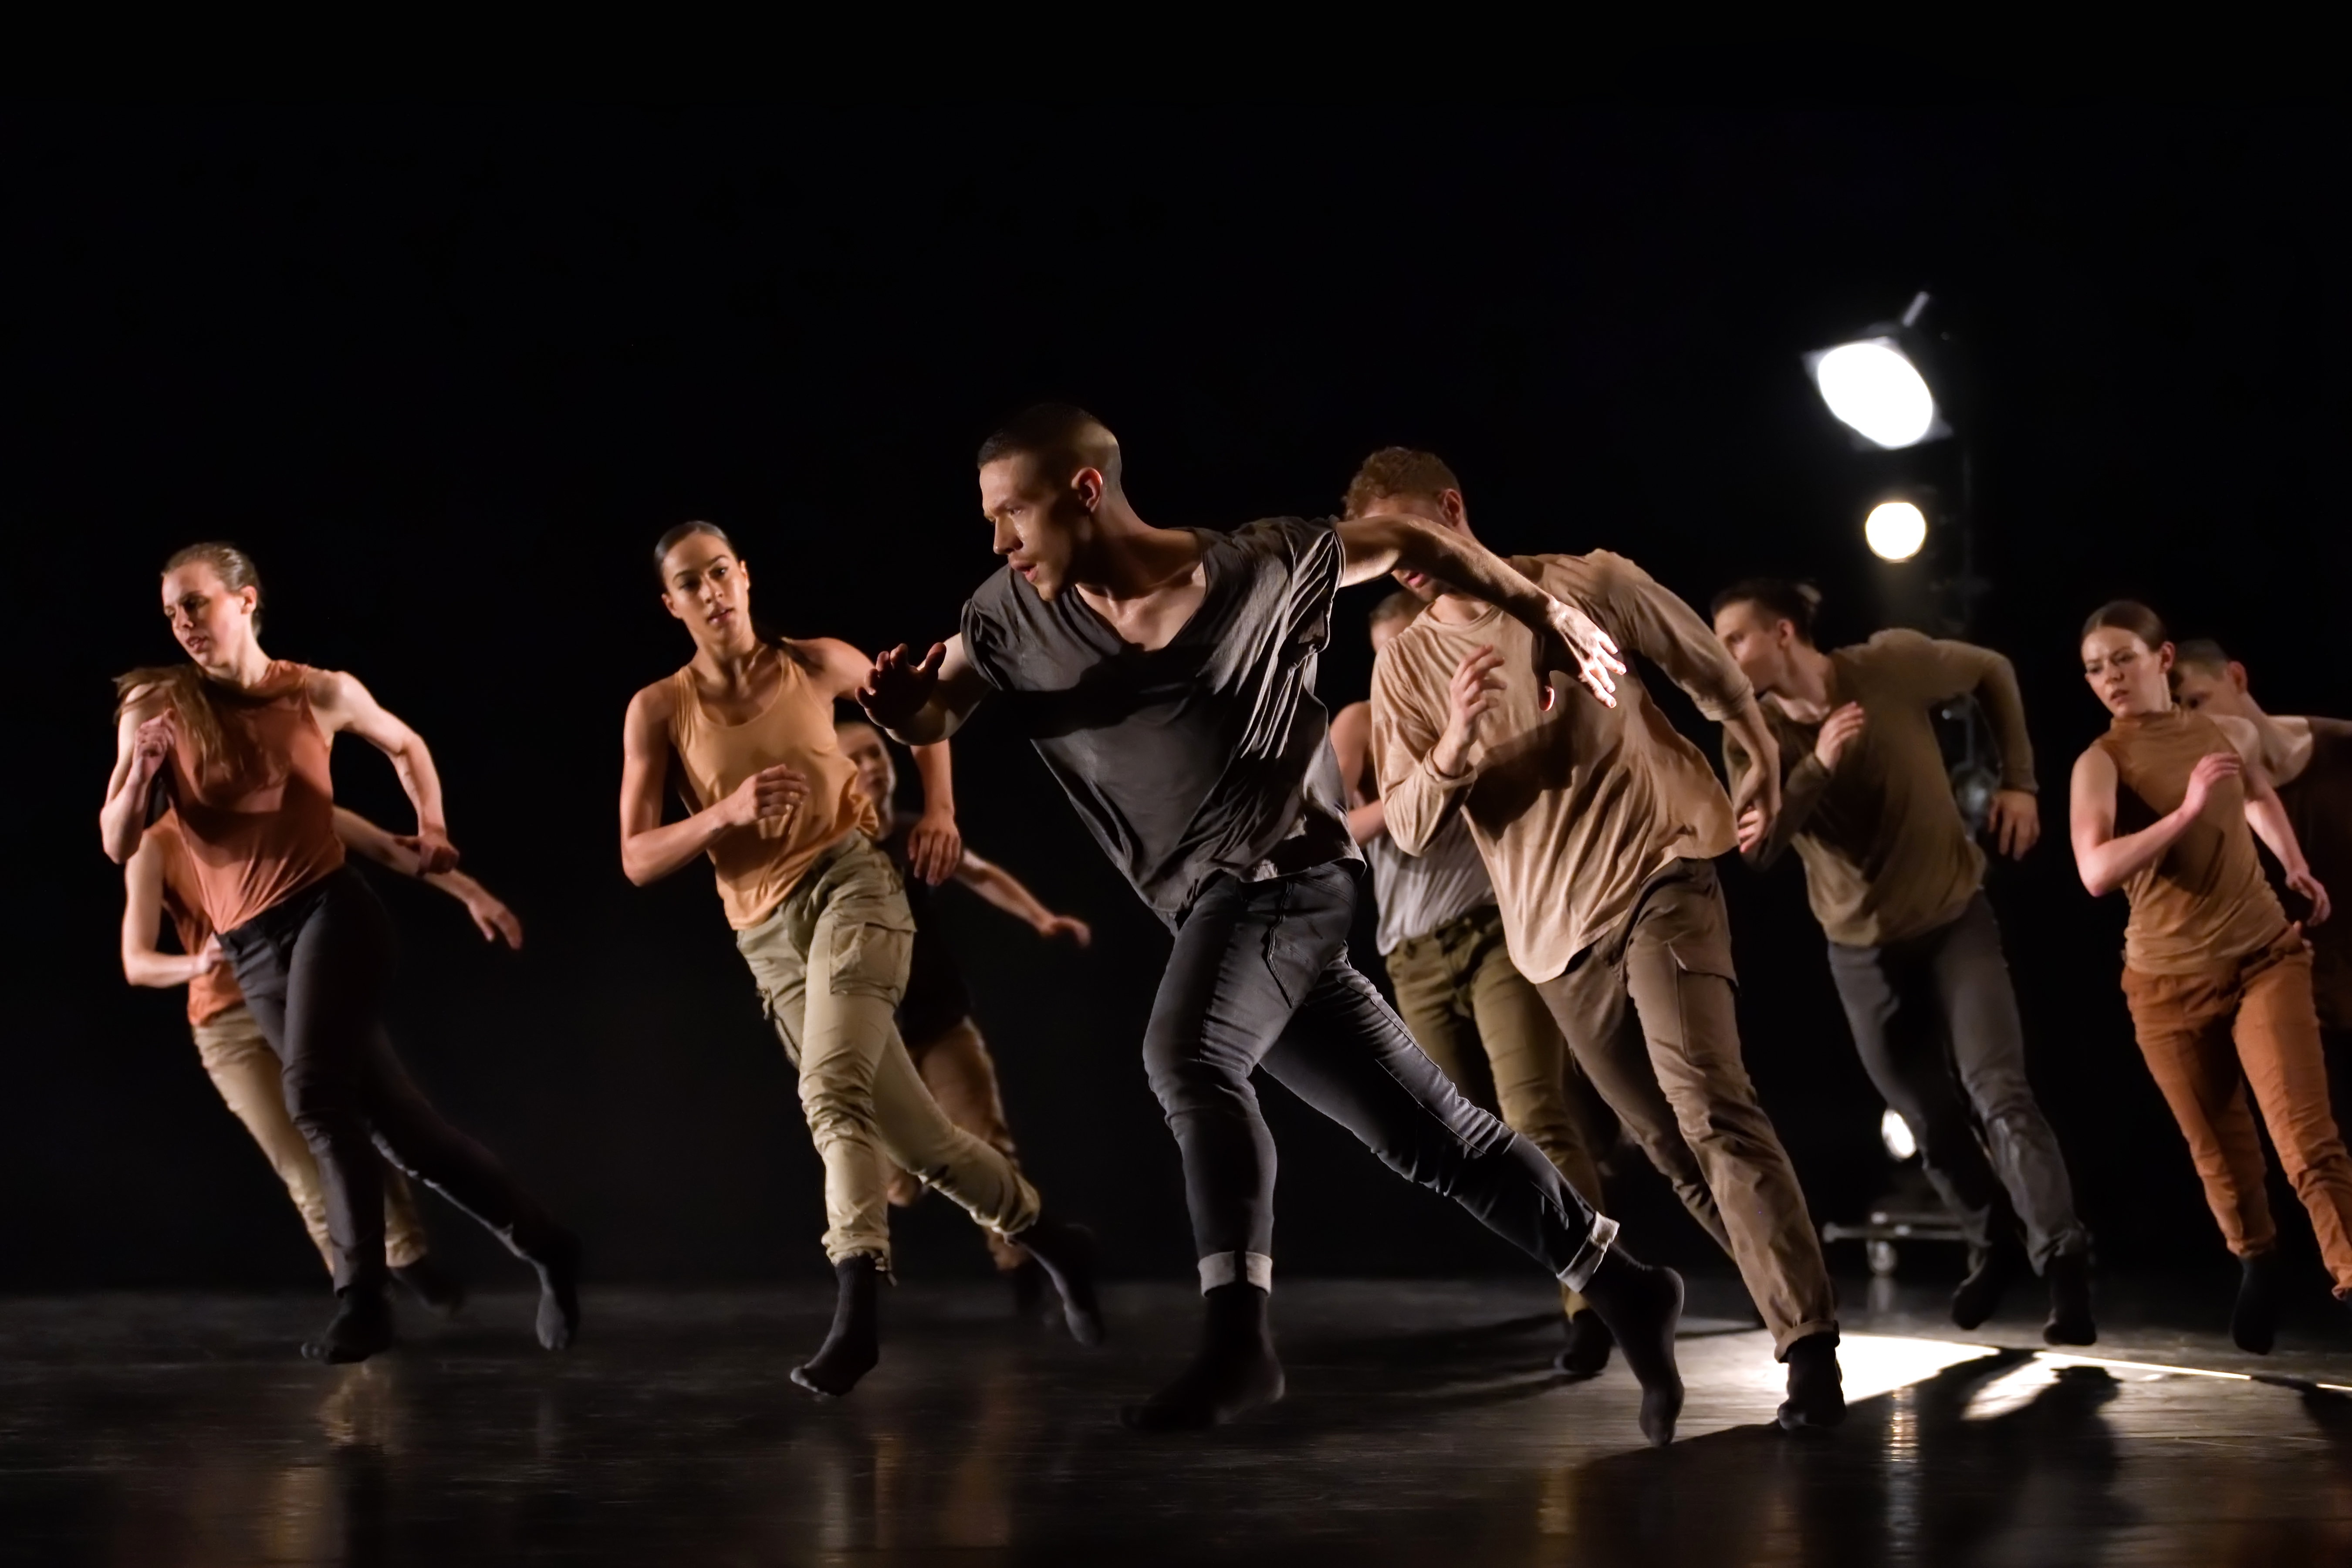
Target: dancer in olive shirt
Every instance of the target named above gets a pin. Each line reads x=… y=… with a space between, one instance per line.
x=1896 y=883
x=1599 y=826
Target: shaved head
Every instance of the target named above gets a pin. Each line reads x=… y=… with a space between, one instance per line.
x=1060 y=440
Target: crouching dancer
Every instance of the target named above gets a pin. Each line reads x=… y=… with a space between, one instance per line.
x=1166 y=677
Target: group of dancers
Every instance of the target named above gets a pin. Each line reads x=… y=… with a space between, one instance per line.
x=1542 y=843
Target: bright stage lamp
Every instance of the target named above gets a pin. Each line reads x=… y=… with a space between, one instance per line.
x=1895 y=530
x=1873 y=387
x=1895 y=1134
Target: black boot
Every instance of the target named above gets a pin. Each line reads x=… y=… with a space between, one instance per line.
x=361 y=1326
x=2254 y=1323
x=1816 y=1388
x=1028 y=1282
x=1990 y=1272
x=1067 y=1253
x=2069 y=1279
x=1234 y=1370
x=1589 y=1344
x=1641 y=1306
x=852 y=1347
x=440 y=1292
x=559 y=1290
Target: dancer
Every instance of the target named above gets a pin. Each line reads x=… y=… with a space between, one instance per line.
x=1896 y=883
x=1166 y=678
x=159 y=881
x=934 y=1017
x=2309 y=761
x=2218 y=981
x=1598 y=825
x=236 y=741
x=821 y=920
x=1467 y=1006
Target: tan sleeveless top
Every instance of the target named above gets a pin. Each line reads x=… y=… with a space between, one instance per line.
x=215 y=991
x=758 y=866
x=259 y=820
x=2206 y=902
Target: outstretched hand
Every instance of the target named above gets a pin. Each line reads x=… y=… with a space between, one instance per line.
x=2014 y=821
x=2304 y=883
x=934 y=846
x=1575 y=641
x=495 y=921
x=899 y=685
x=1070 y=926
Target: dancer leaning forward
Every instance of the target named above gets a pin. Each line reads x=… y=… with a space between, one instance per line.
x=1166 y=677
x=821 y=917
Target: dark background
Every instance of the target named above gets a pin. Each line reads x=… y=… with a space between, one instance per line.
x=447 y=374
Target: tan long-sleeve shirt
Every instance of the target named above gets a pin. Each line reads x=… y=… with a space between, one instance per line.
x=1575 y=808
x=1888 y=855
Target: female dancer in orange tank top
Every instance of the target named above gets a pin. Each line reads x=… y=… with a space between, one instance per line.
x=236 y=744
x=821 y=917
x=2218 y=982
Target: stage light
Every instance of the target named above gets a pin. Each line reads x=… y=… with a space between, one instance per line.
x=1895 y=1133
x=1872 y=385
x=1895 y=530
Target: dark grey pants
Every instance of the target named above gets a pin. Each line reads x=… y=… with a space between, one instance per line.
x=1260 y=978
x=1932 y=1006
x=314 y=969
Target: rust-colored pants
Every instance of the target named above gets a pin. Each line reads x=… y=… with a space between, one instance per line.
x=1649 y=1010
x=956 y=1068
x=2210 y=1036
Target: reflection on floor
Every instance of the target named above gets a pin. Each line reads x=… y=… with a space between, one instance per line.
x=166 y=1432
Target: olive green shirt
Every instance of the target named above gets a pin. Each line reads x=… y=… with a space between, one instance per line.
x=1886 y=853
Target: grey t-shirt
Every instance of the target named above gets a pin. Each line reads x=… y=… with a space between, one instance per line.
x=1418 y=893
x=1188 y=760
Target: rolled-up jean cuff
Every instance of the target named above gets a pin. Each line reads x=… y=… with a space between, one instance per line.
x=1222 y=1269
x=1579 y=1272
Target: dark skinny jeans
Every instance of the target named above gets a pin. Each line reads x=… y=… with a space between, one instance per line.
x=1260 y=977
x=315 y=969
x=1935 y=1020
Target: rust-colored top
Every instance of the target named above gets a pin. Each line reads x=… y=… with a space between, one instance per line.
x=758 y=866
x=2205 y=901
x=2318 y=803
x=259 y=821
x=215 y=991
x=1574 y=808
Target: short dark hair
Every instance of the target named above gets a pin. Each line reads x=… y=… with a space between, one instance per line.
x=1397 y=471
x=683 y=531
x=1057 y=430
x=2129 y=615
x=2202 y=652
x=1400 y=605
x=1797 y=603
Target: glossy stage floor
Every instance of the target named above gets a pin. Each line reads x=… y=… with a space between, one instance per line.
x=175 y=1432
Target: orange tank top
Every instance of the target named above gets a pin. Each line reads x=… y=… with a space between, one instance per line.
x=758 y=866
x=2205 y=903
x=214 y=991
x=259 y=819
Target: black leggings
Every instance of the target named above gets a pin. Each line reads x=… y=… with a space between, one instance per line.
x=1260 y=977
x=315 y=969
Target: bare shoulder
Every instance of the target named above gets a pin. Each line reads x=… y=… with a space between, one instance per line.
x=2240 y=734
x=1351 y=725
x=655 y=704
x=836 y=658
x=144 y=701
x=332 y=693
x=2094 y=767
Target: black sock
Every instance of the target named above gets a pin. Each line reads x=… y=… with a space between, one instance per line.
x=1979 y=1294
x=1067 y=1253
x=1589 y=1344
x=1816 y=1386
x=1234 y=1370
x=361 y=1326
x=2068 y=1276
x=855 y=1344
x=2254 y=1323
x=441 y=1292
x=559 y=1290
x=1641 y=1306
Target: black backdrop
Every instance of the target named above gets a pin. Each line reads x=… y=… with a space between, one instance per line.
x=447 y=374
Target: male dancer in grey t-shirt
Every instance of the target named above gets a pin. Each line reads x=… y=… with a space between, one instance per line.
x=1166 y=678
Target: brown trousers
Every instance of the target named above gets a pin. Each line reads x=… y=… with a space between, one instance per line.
x=1473 y=1013
x=956 y=1068
x=1650 y=1012
x=251 y=1081
x=2211 y=1035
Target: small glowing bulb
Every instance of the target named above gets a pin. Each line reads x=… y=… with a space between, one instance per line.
x=1895 y=530
x=1895 y=1133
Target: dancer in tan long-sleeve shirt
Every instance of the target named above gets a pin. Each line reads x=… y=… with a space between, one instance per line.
x=2166 y=805
x=1599 y=825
